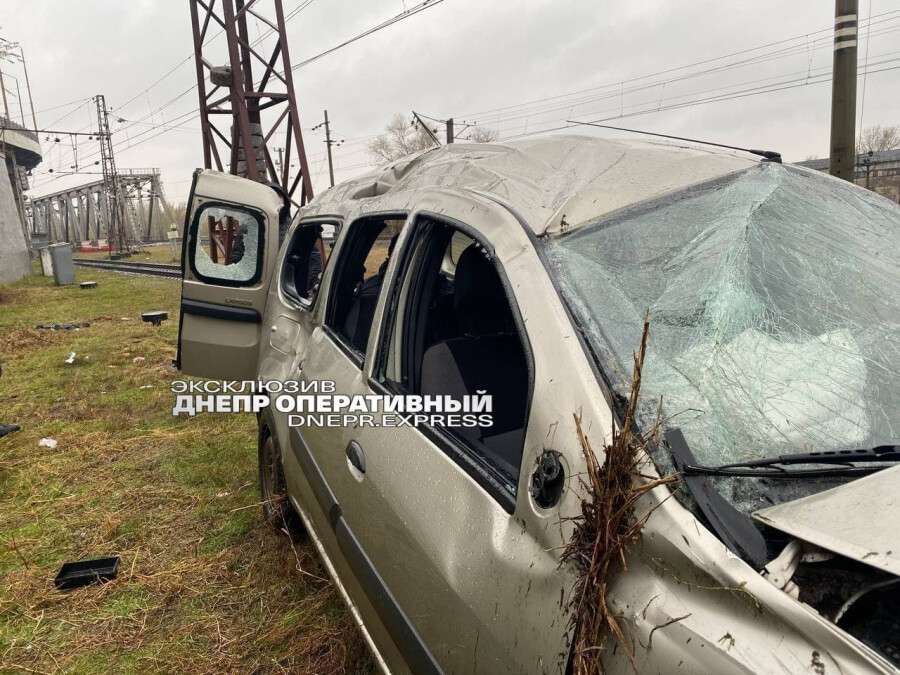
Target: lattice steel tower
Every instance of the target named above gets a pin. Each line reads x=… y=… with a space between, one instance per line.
x=116 y=229
x=257 y=110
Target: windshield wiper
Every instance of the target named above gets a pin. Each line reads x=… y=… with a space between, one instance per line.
x=735 y=528
x=772 y=467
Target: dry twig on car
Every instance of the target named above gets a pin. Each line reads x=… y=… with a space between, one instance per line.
x=606 y=527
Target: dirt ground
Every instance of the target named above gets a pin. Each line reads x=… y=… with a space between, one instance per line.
x=203 y=584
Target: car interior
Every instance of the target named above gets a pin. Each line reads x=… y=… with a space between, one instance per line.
x=359 y=278
x=460 y=337
x=303 y=264
x=457 y=331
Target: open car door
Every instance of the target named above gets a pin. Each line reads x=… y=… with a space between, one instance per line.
x=228 y=253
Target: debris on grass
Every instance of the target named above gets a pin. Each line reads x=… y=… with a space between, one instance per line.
x=63 y=326
x=200 y=589
x=70 y=359
x=84 y=572
x=138 y=359
x=156 y=318
x=48 y=443
x=8 y=429
x=606 y=528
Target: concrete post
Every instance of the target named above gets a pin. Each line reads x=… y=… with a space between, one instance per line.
x=843 y=91
x=14 y=259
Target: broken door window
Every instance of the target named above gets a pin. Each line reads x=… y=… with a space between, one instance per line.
x=227 y=245
x=305 y=260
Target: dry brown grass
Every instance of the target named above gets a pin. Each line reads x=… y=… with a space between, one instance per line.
x=204 y=586
x=606 y=528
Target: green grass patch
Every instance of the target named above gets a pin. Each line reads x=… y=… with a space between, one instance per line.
x=203 y=585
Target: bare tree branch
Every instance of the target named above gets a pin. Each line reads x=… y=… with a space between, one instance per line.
x=878 y=138
x=481 y=135
x=400 y=138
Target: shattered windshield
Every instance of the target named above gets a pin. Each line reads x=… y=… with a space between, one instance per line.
x=774 y=300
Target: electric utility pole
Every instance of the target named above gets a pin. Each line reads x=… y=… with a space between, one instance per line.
x=431 y=134
x=843 y=91
x=28 y=87
x=328 y=146
x=116 y=233
x=3 y=91
x=328 y=143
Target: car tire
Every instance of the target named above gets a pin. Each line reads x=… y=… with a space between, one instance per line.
x=277 y=509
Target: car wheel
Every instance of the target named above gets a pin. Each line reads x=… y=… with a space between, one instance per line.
x=276 y=505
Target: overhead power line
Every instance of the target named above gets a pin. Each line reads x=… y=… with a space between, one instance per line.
x=55 y=132
x=767 y=154
x=771 y=51
x=84 y=102
x=62 y=105
x=892 y=16
x=187 y=59
x=568 y=108
x=421 y=7
x=427 y=4
x=701 y=101
x=430 y=3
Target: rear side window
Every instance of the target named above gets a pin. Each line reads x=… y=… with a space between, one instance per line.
x=358 y=279
x=453 y=332
x=226 y=245
x=305 y=259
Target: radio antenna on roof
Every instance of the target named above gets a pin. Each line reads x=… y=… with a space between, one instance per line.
x=767 y=155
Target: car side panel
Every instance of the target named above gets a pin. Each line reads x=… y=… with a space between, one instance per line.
x=483 y=587
x=325 y=540
x=288 y=335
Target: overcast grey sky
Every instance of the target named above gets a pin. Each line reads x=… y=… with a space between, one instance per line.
x=465 y=59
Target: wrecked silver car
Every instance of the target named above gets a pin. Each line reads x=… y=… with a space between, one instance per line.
x=525 y=271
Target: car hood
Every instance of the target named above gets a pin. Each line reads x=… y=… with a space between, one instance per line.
x=855 y=520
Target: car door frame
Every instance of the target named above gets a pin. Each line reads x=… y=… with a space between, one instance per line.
x=519 y=260
x=222 y=300
x=309 y=490
x=512 y=246
x=464 y=456
x=283 y=310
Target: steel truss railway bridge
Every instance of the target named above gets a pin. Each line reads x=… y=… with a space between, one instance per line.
x=82 y=214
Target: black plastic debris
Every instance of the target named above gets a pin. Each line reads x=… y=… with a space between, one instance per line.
x=84 y=572
x=156 y=318
x=62 y=326
x=88 y=284
x=8 y=429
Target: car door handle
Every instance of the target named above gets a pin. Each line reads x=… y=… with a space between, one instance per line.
x=356 y=456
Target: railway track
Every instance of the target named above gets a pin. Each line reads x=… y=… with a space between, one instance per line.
x=145 y=268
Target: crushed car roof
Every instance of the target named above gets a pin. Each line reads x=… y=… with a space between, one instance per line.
x=556 y=183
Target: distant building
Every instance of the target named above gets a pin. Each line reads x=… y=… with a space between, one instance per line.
x=879 y=171
x=20 y=151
